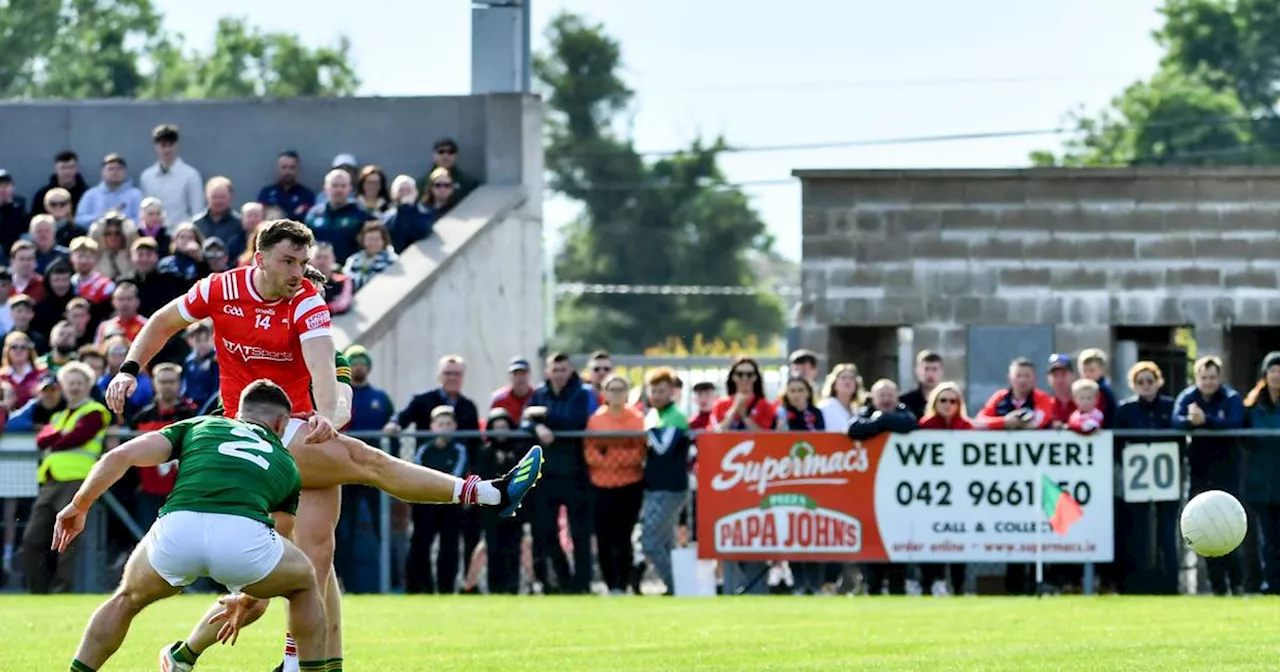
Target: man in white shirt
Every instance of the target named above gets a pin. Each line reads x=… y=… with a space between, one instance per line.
x=178 y=185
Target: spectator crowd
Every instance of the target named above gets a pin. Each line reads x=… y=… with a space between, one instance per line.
x=82 y=266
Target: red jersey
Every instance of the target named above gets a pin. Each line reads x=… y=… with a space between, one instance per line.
x=129 y=328
x=507 y=400
x=255 y=338
x=1085 y=422
x=761 y=411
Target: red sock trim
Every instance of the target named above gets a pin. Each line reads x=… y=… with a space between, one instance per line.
x=290 y=646
x=469 y=488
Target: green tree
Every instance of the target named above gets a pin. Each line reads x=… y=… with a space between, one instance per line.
x=1212 y=101
x=78 y=49
x=673 y=221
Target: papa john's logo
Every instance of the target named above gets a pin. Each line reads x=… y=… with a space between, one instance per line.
x=250 y=353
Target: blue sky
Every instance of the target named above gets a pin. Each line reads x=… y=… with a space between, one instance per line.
x=776 y=73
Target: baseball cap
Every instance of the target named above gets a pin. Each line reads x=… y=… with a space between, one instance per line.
x=518 y=364
x=5 y=176
x=446 y=142
x=358 y=352
x=344 y=160
x=48 y=380
x=214 y=244
x=1060 y=361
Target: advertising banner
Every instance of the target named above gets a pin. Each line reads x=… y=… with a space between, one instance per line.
x=928 y=496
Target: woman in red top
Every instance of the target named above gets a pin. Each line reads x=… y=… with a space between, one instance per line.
x=18 y=368
x=945 y=409
x=744 y=408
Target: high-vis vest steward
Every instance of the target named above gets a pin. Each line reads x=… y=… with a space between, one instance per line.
x=74 y=464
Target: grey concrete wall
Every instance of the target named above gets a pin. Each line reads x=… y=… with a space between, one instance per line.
x=474 y=289
x=240 y=138
x=1082 y=250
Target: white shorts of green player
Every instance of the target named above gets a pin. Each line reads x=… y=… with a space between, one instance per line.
x=235 y=551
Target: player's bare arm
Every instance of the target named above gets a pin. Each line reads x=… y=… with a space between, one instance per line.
x=148 y=450
x=162 y=325
x=317 y=352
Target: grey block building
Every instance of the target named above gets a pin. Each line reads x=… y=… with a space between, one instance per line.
x=986 y=265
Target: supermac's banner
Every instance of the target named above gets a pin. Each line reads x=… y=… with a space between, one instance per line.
x=928 y=496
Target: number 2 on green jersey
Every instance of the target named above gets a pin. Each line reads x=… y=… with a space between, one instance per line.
x=240 y=448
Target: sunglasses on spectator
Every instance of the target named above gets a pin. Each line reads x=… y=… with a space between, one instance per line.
x=1144 y=380
x=442 y=185
x=58 y=204
x=744 y=374
x=446 y=150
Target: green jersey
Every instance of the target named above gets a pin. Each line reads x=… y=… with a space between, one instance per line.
x=232 y=467
x=341 y=367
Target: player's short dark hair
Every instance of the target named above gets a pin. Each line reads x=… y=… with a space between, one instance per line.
x=278 y=231
x=66 y=155
x=262 y=397
x=165 y=133
x=557 y=357
x=928 y=357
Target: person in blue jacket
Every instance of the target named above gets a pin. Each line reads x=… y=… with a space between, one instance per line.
x=1214 y=461
x=563 y=404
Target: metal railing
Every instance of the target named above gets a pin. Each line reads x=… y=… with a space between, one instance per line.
x=18 y=458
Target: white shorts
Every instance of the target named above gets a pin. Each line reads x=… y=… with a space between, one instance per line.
x=232 y=550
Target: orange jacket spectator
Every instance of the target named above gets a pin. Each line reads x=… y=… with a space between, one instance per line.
x=613 y=463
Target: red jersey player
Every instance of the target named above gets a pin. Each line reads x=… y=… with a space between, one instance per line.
x=269 y=322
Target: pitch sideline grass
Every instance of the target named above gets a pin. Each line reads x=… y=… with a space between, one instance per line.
x=512 y=634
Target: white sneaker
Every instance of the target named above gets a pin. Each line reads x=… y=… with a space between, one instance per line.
x=170 y=664
x=940 y=589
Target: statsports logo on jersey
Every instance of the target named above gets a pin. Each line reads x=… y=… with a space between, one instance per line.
x=256 y=338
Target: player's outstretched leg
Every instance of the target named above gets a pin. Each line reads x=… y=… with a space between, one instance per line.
x=346 y=460
x=140 y=586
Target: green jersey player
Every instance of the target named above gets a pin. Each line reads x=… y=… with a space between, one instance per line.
x=227 y=518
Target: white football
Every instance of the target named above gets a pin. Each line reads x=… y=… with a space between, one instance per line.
x=1214 y=523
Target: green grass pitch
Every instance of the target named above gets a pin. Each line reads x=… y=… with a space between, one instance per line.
x=508 y=634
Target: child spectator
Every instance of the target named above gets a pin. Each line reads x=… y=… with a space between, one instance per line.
x=704 y=399
x=152 y=224
x=338 y=287
x=375 y=255
x=200 y=370
x=445 y=454
x=186 y=254
x=1087 y=418
x=1093 y=364
x=23 y=310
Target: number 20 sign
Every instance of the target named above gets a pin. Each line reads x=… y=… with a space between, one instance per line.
x=1152 y=472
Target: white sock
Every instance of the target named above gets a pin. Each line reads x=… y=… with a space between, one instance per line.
x=290 y=654
x=485 y=492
